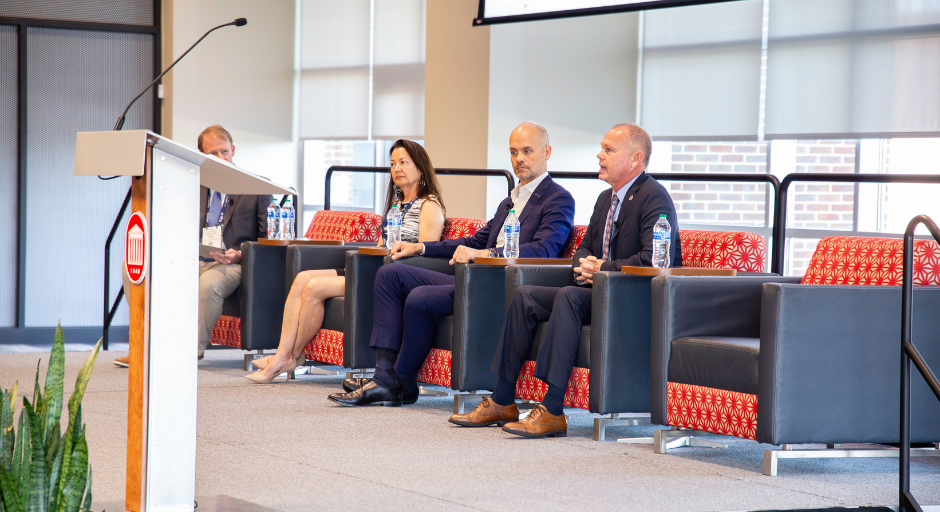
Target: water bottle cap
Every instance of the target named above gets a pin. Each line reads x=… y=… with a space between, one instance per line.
x=662 y=215
x=512 y=211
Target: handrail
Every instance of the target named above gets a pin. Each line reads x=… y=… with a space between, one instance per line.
x=780 y=215
x=910 y=353
x=442 y=172
x=109 y=312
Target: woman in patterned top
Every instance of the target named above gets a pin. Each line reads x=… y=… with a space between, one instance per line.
x=413 y=187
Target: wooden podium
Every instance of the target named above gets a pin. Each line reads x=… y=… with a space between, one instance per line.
x=161 y=407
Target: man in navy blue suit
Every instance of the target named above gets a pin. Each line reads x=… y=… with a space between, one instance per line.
x=620 y=233
x=409 y=300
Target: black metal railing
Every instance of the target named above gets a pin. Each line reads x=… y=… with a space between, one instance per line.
x=909 y=354
x=780 y=215
x=109 y=311
x=511 y=182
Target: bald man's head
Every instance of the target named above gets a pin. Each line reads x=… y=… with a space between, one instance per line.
x=529 y=151
x=637 y=139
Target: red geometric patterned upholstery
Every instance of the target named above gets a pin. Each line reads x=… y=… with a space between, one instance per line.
x=530 y=388
x=227 y=331
x=346 y=226
x=436 y=368
x=878 y=261
x=459 y=227
x=741 y=251
x=577 y=234
x=326 y=347
x=712 y=410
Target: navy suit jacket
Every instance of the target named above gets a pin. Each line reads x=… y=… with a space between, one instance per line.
x=544 y=225
x=632 y=242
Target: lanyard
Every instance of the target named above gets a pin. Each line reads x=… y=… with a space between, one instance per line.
x=221 y=212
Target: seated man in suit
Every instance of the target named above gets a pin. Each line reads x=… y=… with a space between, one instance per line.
x=409 y=300
x=238 y=218
x=620 y=233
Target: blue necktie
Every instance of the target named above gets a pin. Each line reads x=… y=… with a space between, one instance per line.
x=215 y=208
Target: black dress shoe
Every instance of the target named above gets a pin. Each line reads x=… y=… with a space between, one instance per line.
x=350 y=385
x=370 y=393
x=411 y=396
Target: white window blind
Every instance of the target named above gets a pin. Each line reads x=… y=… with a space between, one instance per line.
x=351 y=49
x=853 y=69
x=701 y=71
x=334 y=80
x=398 y=72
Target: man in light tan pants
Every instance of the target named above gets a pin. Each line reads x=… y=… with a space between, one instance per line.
x=240 y=219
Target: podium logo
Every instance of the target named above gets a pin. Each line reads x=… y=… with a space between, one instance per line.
x=136 y=249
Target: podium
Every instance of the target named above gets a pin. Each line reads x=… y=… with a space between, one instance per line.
x=161 y=409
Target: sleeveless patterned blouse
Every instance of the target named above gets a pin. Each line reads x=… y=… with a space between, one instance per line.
x=409 y=223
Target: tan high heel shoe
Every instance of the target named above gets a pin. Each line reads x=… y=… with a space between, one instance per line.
x=260 y=363
x=258 y=378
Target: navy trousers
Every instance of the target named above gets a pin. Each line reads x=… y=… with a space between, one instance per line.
x=565 y=309
x=408 y=302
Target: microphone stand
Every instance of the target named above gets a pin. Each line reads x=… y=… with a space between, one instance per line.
x=240 y=22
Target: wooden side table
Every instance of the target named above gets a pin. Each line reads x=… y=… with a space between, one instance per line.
x=374 y=251
x=678 y=271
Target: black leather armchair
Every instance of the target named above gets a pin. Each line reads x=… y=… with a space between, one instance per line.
x=820 y=361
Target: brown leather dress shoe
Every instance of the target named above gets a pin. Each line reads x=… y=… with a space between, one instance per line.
x=486 y=414
x=539 y=423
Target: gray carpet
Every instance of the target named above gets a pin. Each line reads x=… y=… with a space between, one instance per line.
x=285 y=446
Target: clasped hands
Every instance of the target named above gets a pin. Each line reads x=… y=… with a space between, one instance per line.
x=588 y=267
x=463 y=254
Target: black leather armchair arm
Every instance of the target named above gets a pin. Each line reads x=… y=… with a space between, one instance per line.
x=313 y=257
x=703 y=306
x=829 y=364
x=262 y=295
x=536 y=275
x=478 y=320
x=358 y=309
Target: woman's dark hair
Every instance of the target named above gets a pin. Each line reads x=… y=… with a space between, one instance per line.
x=423 y=162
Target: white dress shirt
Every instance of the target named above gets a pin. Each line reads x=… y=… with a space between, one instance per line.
x=520 y=196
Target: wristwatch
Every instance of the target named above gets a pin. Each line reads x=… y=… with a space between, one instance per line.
x=493 y=253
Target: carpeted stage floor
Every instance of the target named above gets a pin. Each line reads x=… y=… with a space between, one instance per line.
x=285 y=446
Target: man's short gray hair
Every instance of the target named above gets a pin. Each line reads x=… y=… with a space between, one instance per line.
x=540 y=130
x=637 y=139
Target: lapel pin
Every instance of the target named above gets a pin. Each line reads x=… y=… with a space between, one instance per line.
x=630 y=199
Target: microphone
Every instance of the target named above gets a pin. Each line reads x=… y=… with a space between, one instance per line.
x=507 y=207
x=240 y=22
x=616 y=226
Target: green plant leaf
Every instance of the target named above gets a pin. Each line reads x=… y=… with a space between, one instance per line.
x=8 y=488
x=55 y=379
x=23 y=454
x=54 y=471
x=52 y=443
x=7 y=435
x=37 y=393
x=81 y=382
x=66 y=464
x=37 y=497
x=87 y=505
x=78 y=476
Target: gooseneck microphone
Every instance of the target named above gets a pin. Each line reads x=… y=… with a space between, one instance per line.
x=240 y=22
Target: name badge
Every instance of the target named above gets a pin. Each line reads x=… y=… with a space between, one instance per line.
x=212 y=236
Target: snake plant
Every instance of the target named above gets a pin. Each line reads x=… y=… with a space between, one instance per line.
x=42 y=470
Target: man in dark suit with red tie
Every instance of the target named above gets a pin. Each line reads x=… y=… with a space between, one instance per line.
x=409 y=300
x=620 y=233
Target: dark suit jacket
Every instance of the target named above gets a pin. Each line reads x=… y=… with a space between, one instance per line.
x=245 y=219
x=544 y=225
x=632 y=243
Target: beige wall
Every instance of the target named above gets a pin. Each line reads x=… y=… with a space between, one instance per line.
x=240 y=77
x=456 y=88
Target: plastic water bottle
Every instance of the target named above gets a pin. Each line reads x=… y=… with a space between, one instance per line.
x=284 y=229
x=289 y=208
x=274 y=214
x=393 y=227
x=662 y=237
x=511 y=235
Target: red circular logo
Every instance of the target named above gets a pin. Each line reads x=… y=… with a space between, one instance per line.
x=136 y=248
